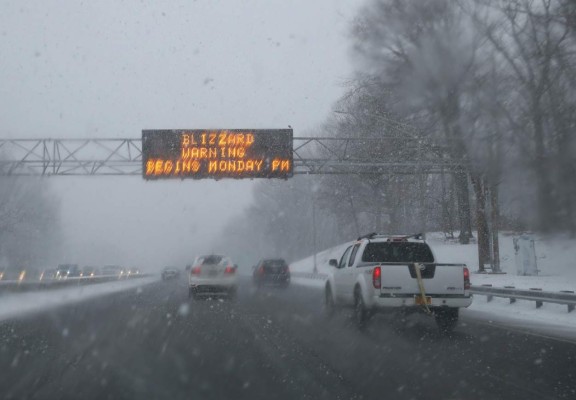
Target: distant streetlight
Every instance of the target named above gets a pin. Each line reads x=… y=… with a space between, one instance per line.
x=314 y=232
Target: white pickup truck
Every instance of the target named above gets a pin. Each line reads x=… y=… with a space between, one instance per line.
x=379 y=273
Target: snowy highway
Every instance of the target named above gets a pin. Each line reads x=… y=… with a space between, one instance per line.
x=153 y=342
x=402 y=170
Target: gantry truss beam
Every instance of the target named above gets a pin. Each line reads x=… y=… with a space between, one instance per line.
x=70 y=156
x=376 y=156
x=312 y=155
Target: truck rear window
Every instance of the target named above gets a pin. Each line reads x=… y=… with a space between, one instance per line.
x=400 y=252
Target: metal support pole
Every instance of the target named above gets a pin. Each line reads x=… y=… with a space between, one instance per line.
x=314 y=232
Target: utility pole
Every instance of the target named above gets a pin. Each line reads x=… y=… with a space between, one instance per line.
x=314 y=228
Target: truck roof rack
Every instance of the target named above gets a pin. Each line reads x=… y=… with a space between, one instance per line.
x=373 y=235
x=417 y=236
x=368 y=236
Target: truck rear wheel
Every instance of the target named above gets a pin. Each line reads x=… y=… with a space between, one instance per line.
x=329 y=306
x=361 y=314
x=446 y=319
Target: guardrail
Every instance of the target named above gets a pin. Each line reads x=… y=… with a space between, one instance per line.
x=30 y=285
x=309 y=275
x=565 y=297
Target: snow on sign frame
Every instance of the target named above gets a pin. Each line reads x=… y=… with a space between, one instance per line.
x=217 y=153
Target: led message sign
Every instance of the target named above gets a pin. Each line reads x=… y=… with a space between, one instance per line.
x=217 y=153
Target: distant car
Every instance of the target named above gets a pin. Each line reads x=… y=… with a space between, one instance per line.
x=90 y=272
x=47 y=275
x=67 y=271
x=170 y=273
x=212 y=275
x=74 y=271
x=13 y=274
x=112 y=270
x=272 y=271
x=133 y=272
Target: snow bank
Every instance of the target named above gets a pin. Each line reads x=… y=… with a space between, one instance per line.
x=19 y=304
x=556 y=258
x=302 y=271
x=306 y=265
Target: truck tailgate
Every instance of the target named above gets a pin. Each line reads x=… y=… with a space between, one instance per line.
x=438 y=279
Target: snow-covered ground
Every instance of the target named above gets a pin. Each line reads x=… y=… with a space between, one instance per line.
x=555 y=255
x=19 y=304
x=556 y=261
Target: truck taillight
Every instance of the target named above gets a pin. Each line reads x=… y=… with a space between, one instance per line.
x=196 y=271
x=376 y=277
x=466 y=279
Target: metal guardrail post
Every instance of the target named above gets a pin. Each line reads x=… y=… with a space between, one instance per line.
x=488 y=297
x=570 y=306
x=539 y=303
x=512 y=299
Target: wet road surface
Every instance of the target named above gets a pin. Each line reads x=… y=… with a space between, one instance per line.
x=154 y=343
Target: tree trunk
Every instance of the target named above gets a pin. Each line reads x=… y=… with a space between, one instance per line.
x=422 y=197
x=450 y=112
x=463 y=198
x=479 y=184
x=546 y=208
x=495 y=216
x=353 y=211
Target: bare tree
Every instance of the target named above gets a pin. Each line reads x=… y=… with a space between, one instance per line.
x=537 y=47
x=425 y=53
x=29 y=222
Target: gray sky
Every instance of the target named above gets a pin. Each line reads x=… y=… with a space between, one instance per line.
x=113 y=68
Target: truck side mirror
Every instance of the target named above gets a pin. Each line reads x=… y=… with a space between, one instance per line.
x=333 y=262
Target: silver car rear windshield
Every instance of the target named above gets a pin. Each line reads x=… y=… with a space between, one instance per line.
x=401 y=252
x=211 y=260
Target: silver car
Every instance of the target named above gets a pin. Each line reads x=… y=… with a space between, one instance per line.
x=212 y=276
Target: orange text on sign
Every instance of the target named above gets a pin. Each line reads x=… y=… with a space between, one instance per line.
x=235 y=166
x=157 y=167
x=220 y=139
x=280 y=165
x=204 y=153
x=180 y=167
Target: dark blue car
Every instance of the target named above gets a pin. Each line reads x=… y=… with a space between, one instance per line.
x=273 y=271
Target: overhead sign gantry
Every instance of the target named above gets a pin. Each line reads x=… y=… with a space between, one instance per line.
x=217 y=153
x=307 y=156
